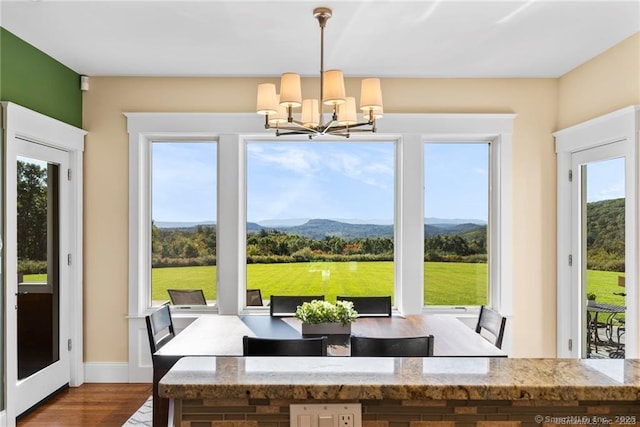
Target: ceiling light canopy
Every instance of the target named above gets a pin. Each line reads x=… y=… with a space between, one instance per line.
x=278 y=108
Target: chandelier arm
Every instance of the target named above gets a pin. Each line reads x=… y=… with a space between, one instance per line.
x=360 y=125
x=343 y=134
x=328 y=127
x=359 y=130
x=292 y=128
x=293 y=124
x=293 y=132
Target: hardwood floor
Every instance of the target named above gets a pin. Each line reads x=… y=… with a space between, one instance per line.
x=89 y=405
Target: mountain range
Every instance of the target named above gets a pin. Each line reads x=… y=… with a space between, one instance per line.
x=319 y=228
x=291 y=222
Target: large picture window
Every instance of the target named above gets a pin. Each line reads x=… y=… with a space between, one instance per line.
x=320 y=218
x=262 y=180
x=183 y=212
x=456 y=206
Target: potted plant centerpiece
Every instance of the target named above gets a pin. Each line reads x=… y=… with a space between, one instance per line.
x=326 y=318
x=591 y=299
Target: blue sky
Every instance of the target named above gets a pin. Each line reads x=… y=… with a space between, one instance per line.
x=320 y=180
x=335 y=180
x=456 y=180
x=184 y=181
x=605 y=180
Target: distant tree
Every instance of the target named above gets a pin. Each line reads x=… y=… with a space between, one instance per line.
x=189 y=250
x=32 y=211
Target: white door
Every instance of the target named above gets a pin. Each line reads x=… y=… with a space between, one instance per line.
x=37 y=276
x=599 y=248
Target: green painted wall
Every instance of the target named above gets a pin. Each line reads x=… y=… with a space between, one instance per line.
x=33 y=79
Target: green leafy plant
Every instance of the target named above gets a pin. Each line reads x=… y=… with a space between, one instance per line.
x=318 y=311
x=591 y=296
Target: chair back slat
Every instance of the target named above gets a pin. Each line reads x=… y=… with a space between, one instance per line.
x=253 y=346
x=187 y=297
x=392 y=347
x=286 y=305
x=254 y=298
x=492 y=322
x=370 y=306
x=159 y=328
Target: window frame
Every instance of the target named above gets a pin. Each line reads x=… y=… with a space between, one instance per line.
x=148 y=221
x=409 y=131
x=493 y=285
x=371 y=138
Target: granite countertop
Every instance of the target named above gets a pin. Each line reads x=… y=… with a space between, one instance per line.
x=354 y=378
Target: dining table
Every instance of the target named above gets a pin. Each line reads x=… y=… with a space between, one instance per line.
x=221 y=335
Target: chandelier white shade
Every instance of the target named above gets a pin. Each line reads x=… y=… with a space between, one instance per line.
x=278 y=107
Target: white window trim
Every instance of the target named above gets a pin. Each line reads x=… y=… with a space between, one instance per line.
x=620 y=125
x=409 y=131
x=493 y=244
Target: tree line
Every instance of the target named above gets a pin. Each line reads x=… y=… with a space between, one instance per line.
x=31 y=229
x=605 y=235
x=197 y=246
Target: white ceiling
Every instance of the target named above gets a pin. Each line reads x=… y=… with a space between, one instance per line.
x=363 y=38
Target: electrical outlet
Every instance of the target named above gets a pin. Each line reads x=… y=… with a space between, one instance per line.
x=345 y=420
x=325 y=414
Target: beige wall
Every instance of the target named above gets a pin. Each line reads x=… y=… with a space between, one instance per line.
x=607 y=82
x=106 y=185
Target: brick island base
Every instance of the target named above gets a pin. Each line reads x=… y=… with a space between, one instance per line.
x=406 y=392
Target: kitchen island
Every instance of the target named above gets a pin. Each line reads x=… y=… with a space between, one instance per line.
x=411 y=392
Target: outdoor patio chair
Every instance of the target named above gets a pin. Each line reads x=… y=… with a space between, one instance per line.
x=187 y=297
x=254 y=298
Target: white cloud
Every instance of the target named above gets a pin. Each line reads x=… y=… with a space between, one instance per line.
x=480 y=171
x=614 y=191
x=364 y=168
x=299 y=160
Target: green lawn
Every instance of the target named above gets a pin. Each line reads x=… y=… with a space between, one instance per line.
x=467 y=281
x=604 y=284
x=35 y=278
x=454 y=283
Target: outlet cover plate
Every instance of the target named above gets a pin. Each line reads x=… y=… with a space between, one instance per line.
x=334 y=410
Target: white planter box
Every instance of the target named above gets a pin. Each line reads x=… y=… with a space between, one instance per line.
x=326 y=329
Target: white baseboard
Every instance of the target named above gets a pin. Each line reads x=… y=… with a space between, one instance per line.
x=106 y=372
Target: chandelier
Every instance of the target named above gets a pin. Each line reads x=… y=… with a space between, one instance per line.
x=278 y=108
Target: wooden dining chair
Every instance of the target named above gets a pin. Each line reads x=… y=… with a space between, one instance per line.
x=187 y=297
x=421 y=346
x=286 y=305
x=254 y=346
x=254 y=298
x=159 y=328
x=370 y=306
x=492 y=322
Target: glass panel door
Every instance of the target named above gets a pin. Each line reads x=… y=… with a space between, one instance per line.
x=602 y=250
x=37 y=273
x=38 y=258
